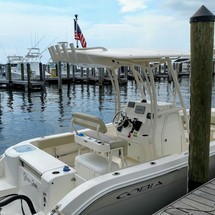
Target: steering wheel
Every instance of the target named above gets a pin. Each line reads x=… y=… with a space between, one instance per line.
x=119 y=118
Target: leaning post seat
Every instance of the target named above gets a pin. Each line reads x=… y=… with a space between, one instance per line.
x=113 y=141
x=88 y=121
x=96 y=138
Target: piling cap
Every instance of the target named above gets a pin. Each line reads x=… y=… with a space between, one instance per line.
x=202 y=15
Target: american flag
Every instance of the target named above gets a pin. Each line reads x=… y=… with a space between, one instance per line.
x=78 y=34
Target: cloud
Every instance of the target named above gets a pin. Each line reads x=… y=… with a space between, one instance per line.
x=131 y=6
x=146 y=31
x=27 y=23
x=187 y=7
x=154 y=25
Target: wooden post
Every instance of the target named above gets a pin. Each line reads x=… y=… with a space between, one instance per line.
x=180 y=66
x=119 y=71
x=29 y=75
x=9 y=75
x=22 y=72
x=202 y=40
x=82 y=72
x=68 y=71
x=93 y=73
x=159 y=69
x=48 y=68
x=126 y=73
x=101 y=76
x=59 y=76
x=41 y=71
x=56 y=69
x=74 y=68
x=44 y=67
x=88 y=74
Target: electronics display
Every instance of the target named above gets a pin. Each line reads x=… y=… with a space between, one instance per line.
x=131 y=104
x=140 y=109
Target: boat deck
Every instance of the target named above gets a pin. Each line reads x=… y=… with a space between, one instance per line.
x=199 y=202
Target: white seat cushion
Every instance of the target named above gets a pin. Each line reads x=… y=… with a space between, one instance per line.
x=93 y=162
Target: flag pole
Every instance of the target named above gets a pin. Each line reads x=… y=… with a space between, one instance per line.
x=76 y=27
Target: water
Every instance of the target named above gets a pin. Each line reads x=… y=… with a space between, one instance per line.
x=24 y=115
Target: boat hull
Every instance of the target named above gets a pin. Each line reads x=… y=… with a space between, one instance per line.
x=136 y=190
x=145 y=197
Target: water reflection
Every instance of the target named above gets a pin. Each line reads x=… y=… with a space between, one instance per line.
x=25 y=115
x=10 y=99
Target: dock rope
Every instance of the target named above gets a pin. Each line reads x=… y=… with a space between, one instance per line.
x=5 y=200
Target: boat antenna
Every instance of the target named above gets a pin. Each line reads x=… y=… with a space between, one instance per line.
x=32 y=48
x=47 y=47
x=38 y=41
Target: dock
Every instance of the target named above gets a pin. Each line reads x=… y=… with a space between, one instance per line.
x=199 y=202
x=21 y=84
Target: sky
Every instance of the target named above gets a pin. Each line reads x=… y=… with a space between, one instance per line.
x=133 y=24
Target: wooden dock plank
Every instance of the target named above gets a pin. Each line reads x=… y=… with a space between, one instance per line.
x=207 y=190
x=205 y=195
x=198 y=202
x=22 y=84
x=2 y=81
x=174 y=211
x=187 y=209
x=211 y=186
x=182 y=205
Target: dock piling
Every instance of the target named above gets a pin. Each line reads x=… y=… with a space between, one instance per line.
x=68 y=71
x=22 y=72
x=41 y=71
x=29 y=76
x=74 y=68
x=9 y=75
x=202 y=40
x=59 y=76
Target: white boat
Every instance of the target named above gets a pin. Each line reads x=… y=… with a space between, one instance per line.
x=135 y=165
x=14 y=61
x=32 y=58
x=34 y=70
